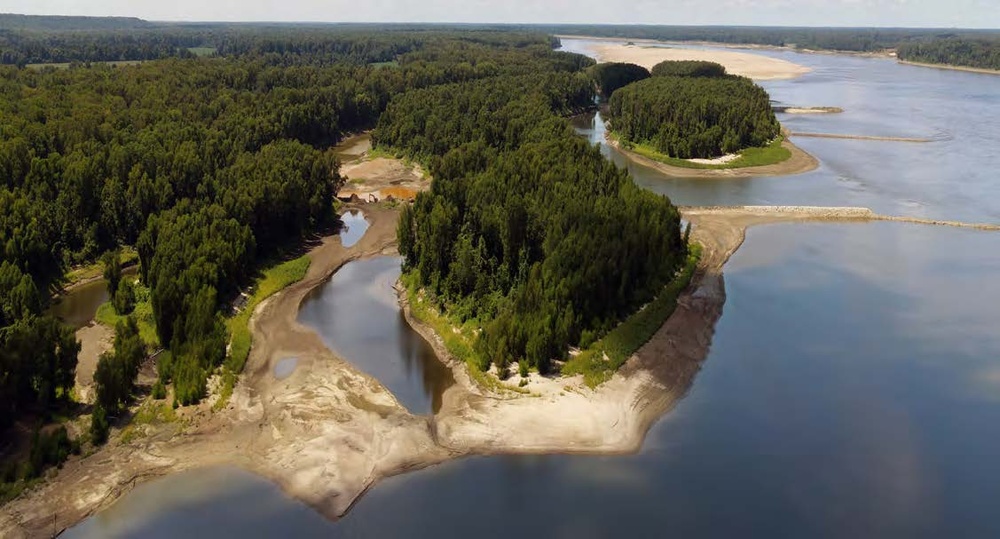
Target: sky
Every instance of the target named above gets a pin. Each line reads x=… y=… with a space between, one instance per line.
x=906 y=13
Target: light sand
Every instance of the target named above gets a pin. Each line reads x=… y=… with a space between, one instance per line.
x=95 y=339
x=952 y=67
x=747 y=64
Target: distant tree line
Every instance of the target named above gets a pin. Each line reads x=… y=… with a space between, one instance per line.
x=978 y=53
x=835 y=39
x=693 y=116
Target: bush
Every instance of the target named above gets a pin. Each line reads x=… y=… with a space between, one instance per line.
x=99 y=426
x=124 y=299
x=49 y=450
x=189 y=380
x=159 y=390
x=522 y=368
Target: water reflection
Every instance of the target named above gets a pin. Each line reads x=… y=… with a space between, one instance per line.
x=357 y=315
x=78 y=307
x=216 y=502
x=950 y=178
x=826 y=409
x=353 y=227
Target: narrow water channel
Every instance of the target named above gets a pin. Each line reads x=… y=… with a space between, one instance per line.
x=357 y=315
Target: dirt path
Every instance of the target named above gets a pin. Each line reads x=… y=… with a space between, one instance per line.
x=95 y=339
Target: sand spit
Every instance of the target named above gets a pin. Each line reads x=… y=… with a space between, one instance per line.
x=952 y=67
x=808 y=110
x=862 y=137
x=755 y=66
x=328 y=431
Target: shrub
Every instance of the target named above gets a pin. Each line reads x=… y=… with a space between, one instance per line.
x=99 y=426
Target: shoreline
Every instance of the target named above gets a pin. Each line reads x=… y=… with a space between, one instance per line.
x=950 y=67
x=739 y=46
x=748 y=64
x=328 y=432
x=799 y=163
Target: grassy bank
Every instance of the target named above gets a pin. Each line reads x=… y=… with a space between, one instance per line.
x=771 y=154
x=271 y=281
x=143 y=313
x=129 y=257
x=457 y=338
x=599 y=362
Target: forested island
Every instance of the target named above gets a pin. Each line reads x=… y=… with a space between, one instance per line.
x=693 y=110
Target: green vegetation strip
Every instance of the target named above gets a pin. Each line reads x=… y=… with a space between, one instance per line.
x=457 y=342
x=599 y=362
x=771 y=154
x=143 y=313
x=274 y=279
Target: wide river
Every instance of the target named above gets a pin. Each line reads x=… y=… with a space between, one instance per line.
x=853 y=383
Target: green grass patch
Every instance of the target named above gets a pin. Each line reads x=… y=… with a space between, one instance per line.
x=129 y=257
x=273 y=280
x=143 y=313
x=771 y=154
x=599 y=362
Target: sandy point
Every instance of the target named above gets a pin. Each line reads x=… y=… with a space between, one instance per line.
x=755 y=66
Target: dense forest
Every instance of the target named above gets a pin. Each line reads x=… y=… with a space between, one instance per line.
x=612 y=76
x=978 y=53
x=205 y=166
x=527 y=229
x=39 y=40
x=693 y=116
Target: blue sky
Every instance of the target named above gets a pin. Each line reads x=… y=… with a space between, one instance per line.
x=914 y=13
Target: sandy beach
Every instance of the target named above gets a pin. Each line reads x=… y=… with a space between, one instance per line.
x=755 y=66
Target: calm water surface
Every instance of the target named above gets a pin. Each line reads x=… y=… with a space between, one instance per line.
x=78 y=307
x=354 y=226
x=357 y=315
x=852 y=388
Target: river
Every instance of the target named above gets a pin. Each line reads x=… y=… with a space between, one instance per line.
x=853 y=384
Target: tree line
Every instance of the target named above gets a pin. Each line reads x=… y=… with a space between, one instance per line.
x=695 y=115
x=978 y=53
x=527 y=230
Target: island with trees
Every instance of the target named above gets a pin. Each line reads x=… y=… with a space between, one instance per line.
x=691 y=111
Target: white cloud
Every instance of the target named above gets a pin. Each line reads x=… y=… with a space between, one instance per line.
x=970 y=13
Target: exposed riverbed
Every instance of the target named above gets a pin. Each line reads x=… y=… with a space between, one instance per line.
x=853 y=383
